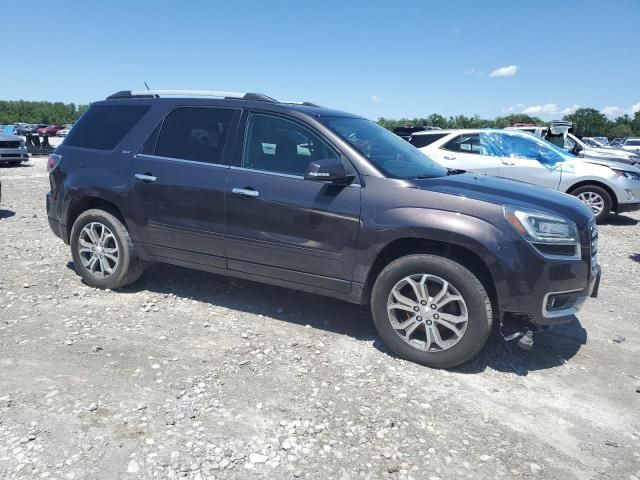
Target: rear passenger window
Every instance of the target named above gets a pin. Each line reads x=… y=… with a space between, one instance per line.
x=197 y=134
x=278 y=145
x=103 y=127
x=420 y=141
x=466 y=144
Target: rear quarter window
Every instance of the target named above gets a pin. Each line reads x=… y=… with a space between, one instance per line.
x=103 y=127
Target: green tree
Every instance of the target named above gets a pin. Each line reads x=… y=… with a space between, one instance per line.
x=588 y=122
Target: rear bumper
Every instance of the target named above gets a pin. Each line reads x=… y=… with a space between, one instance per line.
x=59 y=229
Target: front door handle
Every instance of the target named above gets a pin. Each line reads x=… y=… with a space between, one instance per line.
x=449 y=158
x=246 y=192
x=145 y=177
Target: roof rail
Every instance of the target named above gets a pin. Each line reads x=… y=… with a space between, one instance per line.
x=306 y=104
x=190 y=93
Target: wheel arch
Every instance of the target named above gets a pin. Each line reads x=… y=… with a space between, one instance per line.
x=81 y=204
x=604 y=186
x=408 y=246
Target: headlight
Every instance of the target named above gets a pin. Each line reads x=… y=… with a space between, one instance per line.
x=627 y=174
x=552 y=236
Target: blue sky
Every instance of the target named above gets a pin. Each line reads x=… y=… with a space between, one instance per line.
x=374 y=58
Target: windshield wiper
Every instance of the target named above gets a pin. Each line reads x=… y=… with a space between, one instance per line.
x=455 y=171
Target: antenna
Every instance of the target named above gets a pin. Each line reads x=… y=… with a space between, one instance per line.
x=146 y=85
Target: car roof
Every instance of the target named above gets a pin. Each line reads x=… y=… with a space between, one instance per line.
x=215 y=98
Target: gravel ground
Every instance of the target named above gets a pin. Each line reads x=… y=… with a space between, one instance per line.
x=188 y=374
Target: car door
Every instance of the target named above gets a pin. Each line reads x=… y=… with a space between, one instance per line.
x=525 y=158
x=466 y=152
x=178 y=185
x=280 y=225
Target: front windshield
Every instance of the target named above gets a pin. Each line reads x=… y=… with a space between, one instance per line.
x=516 y=144
x=391 y=154
x=634 y=143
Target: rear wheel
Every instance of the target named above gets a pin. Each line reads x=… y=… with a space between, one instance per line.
x=15 y=163
x=431 y=310
x=103 y=251
x=597 y=199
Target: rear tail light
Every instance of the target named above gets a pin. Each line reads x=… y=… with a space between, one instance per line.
x=53 y=161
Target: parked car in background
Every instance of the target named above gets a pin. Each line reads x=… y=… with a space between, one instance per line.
x=65 y=131
x=406 y=130
x=50 y=130
x=631 y=145
x=13 y=149
x=322 y=201
x=30 y=129
x=614 y=187
x=593 y=142
x=602 y=140
x=616 y=142
x=579 y=148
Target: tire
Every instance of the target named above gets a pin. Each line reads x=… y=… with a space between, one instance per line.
x=474 y=296
x=128 y=267
x=15 y=163
x=601 y=198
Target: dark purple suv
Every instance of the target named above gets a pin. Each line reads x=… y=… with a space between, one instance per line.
x=321 y=201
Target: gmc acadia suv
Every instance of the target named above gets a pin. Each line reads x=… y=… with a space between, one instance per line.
x=322 y=201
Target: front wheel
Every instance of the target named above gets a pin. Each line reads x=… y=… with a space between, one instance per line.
x=103 y=251
x=597 y=199
x=431 y=310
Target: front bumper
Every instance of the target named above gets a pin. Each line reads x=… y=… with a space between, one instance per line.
x=13 y=154
x=628 y=207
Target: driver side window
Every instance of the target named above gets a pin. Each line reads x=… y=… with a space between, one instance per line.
x=275 y=144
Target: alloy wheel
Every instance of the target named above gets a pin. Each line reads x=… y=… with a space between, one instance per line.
x=593 y=200
x=427 y=312
x=98 y=250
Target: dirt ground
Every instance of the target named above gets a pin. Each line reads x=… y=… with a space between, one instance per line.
x=188 y=374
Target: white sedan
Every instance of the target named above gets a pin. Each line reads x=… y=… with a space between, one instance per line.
x=522 y=156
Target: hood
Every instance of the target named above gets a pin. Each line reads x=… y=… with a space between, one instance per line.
x=7 y=137
x=502 y=191
x=615 y=164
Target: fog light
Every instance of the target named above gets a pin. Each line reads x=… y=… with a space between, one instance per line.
x=630 y=195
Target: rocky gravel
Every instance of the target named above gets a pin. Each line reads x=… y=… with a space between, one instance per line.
x=190 y=375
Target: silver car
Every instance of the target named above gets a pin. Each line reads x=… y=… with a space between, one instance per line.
x=13 y=149
x=606 y=186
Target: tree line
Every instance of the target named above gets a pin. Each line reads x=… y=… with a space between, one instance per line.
x=14 y=111
x=587 y=122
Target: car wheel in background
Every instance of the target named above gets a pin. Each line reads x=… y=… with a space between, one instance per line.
x=103 y=252
x=431 y=310
x=597 y=198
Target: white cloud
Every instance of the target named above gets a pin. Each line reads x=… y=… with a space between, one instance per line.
x=546 y=108
x=610 y=111
x=507 y=71
x=376 y=98
x=513 y=108
x=570 y=109
x=635 y=108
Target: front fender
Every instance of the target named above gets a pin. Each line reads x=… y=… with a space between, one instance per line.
x=477 y=235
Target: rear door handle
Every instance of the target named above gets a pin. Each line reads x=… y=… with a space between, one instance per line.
x=246 y=192
x=145 y=177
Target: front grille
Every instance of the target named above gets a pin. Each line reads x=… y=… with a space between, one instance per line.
x=9 y=144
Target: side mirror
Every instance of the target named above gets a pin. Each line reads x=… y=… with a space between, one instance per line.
x=577 y=150
x=327 y=170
